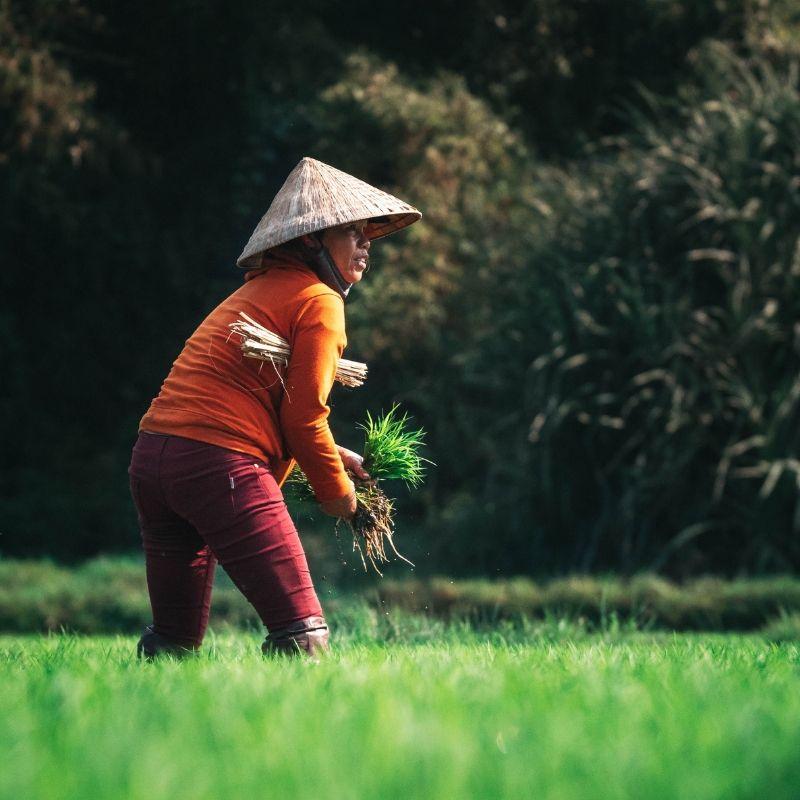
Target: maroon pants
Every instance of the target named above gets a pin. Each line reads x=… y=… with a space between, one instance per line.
x=199 y=504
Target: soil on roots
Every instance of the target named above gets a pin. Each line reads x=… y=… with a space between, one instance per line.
x=372 y=527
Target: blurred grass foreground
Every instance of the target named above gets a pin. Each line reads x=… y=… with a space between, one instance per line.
x=109 y=595
x=670 y=716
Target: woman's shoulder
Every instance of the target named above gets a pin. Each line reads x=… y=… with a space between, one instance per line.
x=288 y=294
x=289 y=280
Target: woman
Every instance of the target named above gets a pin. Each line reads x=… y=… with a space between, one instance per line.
x=225 y=430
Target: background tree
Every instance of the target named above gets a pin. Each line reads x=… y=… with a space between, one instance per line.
x=594 y=320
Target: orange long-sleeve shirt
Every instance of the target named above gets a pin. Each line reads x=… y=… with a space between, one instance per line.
x=215 y=394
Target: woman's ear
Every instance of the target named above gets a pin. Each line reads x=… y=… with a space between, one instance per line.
x=311 y=241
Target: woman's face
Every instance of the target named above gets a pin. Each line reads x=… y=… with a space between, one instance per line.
x=348 y=246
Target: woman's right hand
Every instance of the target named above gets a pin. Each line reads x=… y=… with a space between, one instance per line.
x=344 y=507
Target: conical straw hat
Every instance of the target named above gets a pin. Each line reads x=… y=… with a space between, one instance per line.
x=316 y=196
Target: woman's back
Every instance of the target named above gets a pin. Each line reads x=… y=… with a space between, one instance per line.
x=215 y=394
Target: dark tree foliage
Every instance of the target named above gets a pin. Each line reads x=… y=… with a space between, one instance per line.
x=557 y=70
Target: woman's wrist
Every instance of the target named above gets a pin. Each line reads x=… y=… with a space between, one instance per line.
x=343 y=507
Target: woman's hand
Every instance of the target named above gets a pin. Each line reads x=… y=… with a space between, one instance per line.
x=344 y=507
x=353 y=463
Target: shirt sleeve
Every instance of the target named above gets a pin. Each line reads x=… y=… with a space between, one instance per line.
x=317 y=340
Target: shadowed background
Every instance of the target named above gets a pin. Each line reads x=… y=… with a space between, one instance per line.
x=596 y=320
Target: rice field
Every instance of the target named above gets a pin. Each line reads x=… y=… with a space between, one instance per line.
x=444 y=713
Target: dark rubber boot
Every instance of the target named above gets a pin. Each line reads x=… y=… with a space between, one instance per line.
x=153 y=644
x=307 y=636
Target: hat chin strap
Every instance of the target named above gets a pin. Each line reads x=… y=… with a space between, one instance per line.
x=328 y=272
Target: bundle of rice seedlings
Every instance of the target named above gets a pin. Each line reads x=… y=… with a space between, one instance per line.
x=264 y=345
x=391 y=452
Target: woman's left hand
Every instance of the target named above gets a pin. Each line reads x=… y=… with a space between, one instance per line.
x=353 y=463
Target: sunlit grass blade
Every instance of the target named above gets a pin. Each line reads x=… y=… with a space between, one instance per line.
x=391 y=449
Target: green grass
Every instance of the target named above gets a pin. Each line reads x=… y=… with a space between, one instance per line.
x=391 y=452
x=436 y=712
x=391 y=448
x=109 y=595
